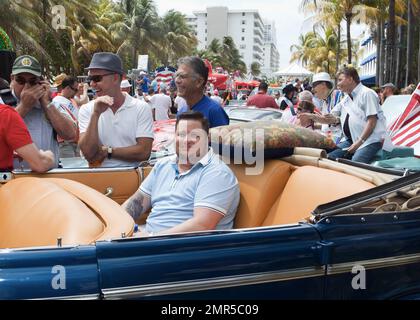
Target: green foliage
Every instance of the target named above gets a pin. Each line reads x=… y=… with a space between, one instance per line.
x=127 y=27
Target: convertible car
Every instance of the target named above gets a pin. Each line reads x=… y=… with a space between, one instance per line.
x=306 y=228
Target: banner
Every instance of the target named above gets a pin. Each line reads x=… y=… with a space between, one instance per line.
x=143 y=63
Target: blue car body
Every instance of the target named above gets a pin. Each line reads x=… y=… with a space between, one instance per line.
x=320 y=260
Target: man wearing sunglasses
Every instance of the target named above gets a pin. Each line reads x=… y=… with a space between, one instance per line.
x=44 y=120
x=115 y=129
x=69 y=88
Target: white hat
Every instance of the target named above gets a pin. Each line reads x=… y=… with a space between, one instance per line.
x=322 y=77
x=125 y=84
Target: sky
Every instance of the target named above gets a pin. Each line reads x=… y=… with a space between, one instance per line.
x=289 y=21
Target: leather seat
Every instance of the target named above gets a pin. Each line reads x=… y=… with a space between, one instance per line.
x=309 y=187
x=35 y=212
x=259 y=192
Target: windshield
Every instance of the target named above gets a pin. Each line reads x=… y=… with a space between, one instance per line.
x=394 y=106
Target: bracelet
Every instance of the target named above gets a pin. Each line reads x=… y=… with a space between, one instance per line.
x=363 y=140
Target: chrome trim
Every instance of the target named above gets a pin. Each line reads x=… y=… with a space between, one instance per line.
x=140 y=170
x=373 y=264
x=78 y=170
x=210 y=284
x=81 y=297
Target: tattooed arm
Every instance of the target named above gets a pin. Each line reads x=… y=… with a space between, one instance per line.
x=137 y=204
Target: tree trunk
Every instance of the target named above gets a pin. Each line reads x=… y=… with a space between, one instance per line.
x=418 y=58
x=348 y=24
x=43 y=33
x=390 y=42
x=378 y=50
x=337 y=56
x=398 y=54
x=382 y=60
x=409 y=44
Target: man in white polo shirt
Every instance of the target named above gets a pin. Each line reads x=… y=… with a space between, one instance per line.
x=191 y=191
x=115 y=129
x=161 y=105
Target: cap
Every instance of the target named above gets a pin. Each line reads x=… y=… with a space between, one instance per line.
x=58 y=80
x=321 y=77
x=106 y=61
x=26 y=64
x=388 y=85
x=125 y=84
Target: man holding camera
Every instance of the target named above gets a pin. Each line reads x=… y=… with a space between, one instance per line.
x=43 y=119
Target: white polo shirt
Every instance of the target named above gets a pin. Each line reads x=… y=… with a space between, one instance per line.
x=365 y=103
x=161 y=103
x=131 y=121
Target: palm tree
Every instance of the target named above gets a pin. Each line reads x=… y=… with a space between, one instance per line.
x=302 y=51
x=327 y=14
x=179 y=38
x=233 y=57
x=139 y=32
x=255 y=69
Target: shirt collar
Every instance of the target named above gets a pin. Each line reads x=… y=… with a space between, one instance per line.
x=199 y=102
x=129 y=102
x=204 y=161
x=356 y=90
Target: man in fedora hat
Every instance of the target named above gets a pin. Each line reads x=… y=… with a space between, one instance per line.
x=115 y=128
x=43 y=118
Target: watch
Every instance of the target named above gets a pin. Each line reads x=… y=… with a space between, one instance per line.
x=109 y=150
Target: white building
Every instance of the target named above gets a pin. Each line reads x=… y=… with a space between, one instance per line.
x=244 y=26
x=368 y=61
x=270 y=53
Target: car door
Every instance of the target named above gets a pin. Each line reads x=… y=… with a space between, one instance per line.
x=262 y=263
x=372 y=256
x=49 y=273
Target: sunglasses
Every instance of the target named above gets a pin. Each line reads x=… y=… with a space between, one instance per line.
x=23 y=81
x=97 y=78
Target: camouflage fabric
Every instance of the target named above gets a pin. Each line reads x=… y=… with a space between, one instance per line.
x=270 y=134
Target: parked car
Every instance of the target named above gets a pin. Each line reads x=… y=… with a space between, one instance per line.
x=271 y=91
x=246 y=114
x=306 y=228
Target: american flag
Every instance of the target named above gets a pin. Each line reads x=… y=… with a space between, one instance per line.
x=405 y=130
x=164 y=74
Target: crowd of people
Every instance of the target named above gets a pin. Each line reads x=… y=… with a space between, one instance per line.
x=115 y=128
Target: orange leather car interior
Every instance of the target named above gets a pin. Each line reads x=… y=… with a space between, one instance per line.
x=123 y=183
x=259 y=192
x=307 y=188
x=285 y=194
x=36 y=212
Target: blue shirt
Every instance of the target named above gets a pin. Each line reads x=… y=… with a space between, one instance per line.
x=145 y=85
x=208 y=184
x=211 y=110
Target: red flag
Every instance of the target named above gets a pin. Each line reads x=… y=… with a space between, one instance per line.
x=405 y=130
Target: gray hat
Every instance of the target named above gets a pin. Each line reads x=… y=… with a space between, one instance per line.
x=106 y=61
x=388 y=85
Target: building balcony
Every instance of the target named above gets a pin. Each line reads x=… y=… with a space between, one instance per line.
x=257 y=41
x=257 y=32
x=257 y=56
x=257 y=49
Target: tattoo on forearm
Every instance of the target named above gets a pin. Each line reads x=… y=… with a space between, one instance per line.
x=135 y=206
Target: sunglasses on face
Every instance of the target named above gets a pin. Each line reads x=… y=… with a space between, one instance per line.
x=22 y=81
x=97 y=78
